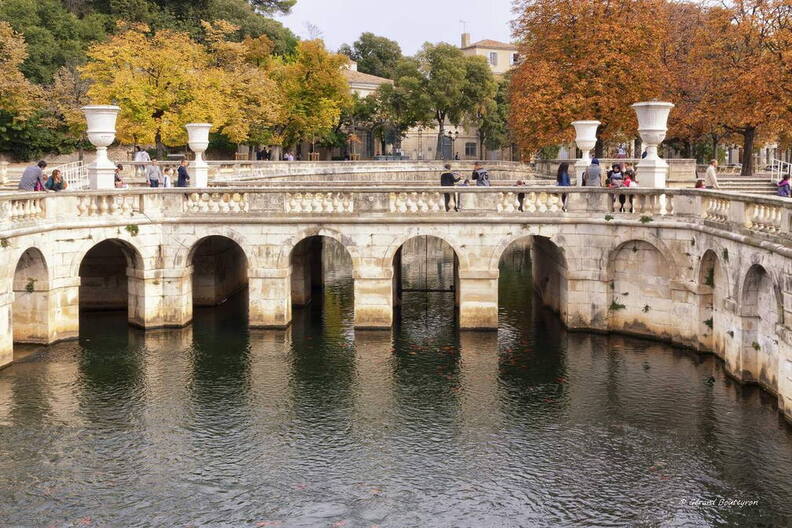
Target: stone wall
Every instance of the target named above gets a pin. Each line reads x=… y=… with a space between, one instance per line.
x=645 y=273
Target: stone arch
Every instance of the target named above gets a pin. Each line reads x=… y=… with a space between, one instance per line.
x=220 y=269
x=31 y=307
x=132 y=253
x=760 y=311
x=548 y=270
x=185 y=253
x=713 y=289
x=639 y=289
x=453 y=243
x=284 y=258
x=110 y=274
x=527 y=231
x=307 y=264
x=413 y=283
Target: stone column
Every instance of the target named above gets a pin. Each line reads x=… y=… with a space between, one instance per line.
x=64 y=311
x=478 y=299
x=6 y=339
x=269 y=292
x=374 y=298
x=3 y=172
x=160 y=298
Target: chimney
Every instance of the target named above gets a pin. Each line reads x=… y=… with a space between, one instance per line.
x=465 y=40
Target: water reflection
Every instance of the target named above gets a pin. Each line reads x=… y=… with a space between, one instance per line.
x=321 y=425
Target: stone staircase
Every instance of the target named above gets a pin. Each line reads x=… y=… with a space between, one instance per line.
x=760 y=184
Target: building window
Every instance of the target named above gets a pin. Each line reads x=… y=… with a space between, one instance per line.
x=515 y=58
x=493 y=58
x=470 y=150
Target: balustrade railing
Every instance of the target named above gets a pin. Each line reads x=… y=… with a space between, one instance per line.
x=764 y=216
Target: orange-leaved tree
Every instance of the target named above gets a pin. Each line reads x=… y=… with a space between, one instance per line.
x=584 y=59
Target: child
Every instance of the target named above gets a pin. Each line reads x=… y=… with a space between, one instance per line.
x=167 y=174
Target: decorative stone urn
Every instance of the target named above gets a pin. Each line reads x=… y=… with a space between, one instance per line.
x=652 y=127
x=101 y=121
x=198 y=134
x=586 y=139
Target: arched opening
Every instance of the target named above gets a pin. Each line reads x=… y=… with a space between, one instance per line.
x=712 y=290
x=322 y=283
x=531 y=269
x=760 y=313
x=425 y=281
x=639 y=297
x=108 y=278
x=220 y=272
x=30 y=322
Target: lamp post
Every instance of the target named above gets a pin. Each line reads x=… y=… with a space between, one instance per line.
x=198 y=134
x=652 y=126
x=586 y=139
x=101 y=121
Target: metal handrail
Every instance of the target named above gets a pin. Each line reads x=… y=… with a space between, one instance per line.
x=75 y=174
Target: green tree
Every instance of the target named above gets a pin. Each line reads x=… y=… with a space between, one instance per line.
x=491 y=119
x=450 y=85
x=374 y=55
x=55 y=37
x=314 y=94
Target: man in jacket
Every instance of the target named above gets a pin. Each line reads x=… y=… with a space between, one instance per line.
x=448 y=179
x=184 y=177
x=31 y=175
x=480 y=175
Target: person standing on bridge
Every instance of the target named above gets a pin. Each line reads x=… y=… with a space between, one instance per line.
x=448 y=179
x=711 y=177
x=480 y=175
x=184 y=177
x=31 y=179
x=153 y=173
x=141 y=157
x=593 y=174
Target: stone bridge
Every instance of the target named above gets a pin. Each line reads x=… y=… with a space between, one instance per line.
x=701 y=269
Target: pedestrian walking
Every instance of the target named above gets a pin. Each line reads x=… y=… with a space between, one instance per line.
x=711 y=177
x=153 y=173
x=184 y=177
x=449 y=179
x=563 y=180
x=32 y=177
x=141 y=157
x=593 y=175
x=480 y=175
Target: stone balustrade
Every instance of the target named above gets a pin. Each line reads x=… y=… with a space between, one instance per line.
x=749 y=214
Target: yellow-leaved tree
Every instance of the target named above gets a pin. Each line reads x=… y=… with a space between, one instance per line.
x=164 y=80
x=314 y=93
x=17 y=94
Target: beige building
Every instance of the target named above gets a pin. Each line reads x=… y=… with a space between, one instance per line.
x=463 y=142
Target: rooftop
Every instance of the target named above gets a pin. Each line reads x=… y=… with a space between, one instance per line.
x=354 y=76
x=492 y=44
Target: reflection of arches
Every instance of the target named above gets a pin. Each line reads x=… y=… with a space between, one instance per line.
x=30 y=322
x=307 y=264
x=639 y=291
x=713 y=289
x=108 y=277
x=220 y=270
x=760 y=313
x=425 y=264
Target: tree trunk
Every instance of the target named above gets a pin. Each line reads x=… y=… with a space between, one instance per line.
x=160 y=146
x=599 y=148
x=714 y=149
x=440 y=134
x=749 y=135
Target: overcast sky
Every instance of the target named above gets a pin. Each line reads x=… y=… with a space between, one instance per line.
x=409 y=22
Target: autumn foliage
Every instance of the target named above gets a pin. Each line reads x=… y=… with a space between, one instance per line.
x=725 y=66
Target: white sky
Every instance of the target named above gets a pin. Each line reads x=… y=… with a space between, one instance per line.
x=408 y=22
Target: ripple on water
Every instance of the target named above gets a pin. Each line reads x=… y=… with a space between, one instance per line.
x=320 y=425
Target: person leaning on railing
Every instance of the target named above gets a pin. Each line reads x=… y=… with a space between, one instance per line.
x=448 y=179
x=56 y=182
x=31 y=179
